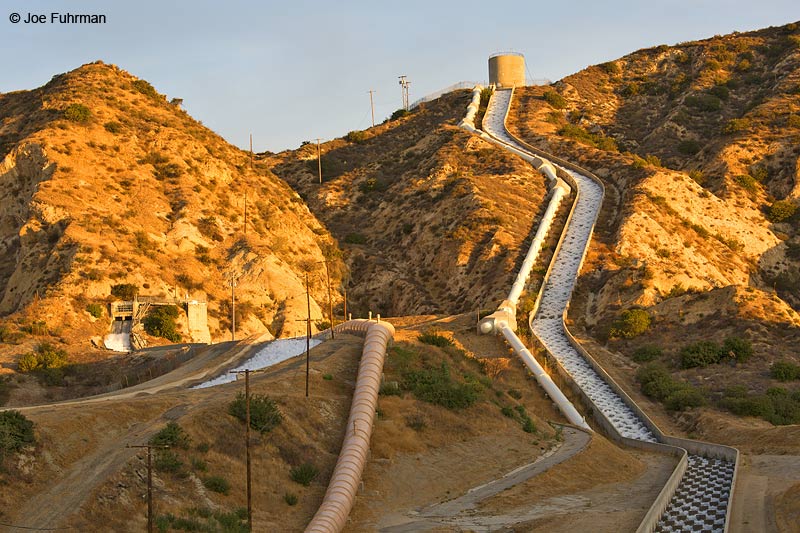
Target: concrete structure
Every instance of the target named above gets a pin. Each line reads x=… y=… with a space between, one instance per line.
x=507 y=69
x=126 y=315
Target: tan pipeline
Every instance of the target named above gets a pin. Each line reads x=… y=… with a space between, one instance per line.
x=341 y=493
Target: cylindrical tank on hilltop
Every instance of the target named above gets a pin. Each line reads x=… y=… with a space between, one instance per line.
x=507 y=69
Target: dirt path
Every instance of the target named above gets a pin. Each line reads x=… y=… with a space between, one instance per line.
x=436 y=515
x=762 y=479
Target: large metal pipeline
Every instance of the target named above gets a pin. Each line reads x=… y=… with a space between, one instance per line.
x=340 y=496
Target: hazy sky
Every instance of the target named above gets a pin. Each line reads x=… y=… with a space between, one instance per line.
x=292 y=71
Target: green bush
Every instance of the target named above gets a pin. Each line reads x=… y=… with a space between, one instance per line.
x=631 y=323
x=16 y=432
x=514 y=393
x=436 y=386
x=746 y=182
x=113 y=127
x=657 y=383
x=434 y=338
x=781 y=211
x=736 y=125
x=217 y=484
x=610 y=67
x=554 y=99
x=700 y=354
x=290 y=498
x=124 y=291
x=355 y=238
x=168 y=461
x=96 y=310
x=784 y=371
x=647 y=353
x=77 y=113
x=778 y=406
x=304 y=474
x=739 y=349
x=172 y=435
x=689 y=147
x=356 y=136
x=264 y=412
x=704 y=102
x=45 y=357
x=145 y=88
x=160 y=322
x=400 y=113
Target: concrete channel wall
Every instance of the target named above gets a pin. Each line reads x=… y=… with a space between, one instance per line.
x=670 y=445
x=346 y=479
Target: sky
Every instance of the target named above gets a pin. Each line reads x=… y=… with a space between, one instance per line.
x=288 y=72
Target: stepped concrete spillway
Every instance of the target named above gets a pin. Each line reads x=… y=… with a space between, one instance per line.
x=702 y=497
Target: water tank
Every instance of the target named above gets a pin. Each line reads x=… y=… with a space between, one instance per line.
x=507 y=69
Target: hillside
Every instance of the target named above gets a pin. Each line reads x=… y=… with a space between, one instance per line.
x=698 y=147
x=105 y=181
x=431 y=219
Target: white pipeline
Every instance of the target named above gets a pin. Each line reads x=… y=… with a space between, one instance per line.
x=338 y=501
x=544 y=380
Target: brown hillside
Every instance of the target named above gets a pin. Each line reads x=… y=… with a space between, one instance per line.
x=432 y=219
x=105 y=181
x=696 y=144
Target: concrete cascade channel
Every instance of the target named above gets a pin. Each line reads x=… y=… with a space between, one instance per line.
x=698 y=494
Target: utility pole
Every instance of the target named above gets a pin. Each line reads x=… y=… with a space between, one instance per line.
x=319 y=160
x=233 y=284
x=404 y=83
x=308 y=332
x=345 y=301
x=247 y=444
x=149 y=480
x=372 y=106
x=330 y=300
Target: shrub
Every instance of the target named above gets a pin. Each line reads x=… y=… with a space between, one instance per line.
x=739 y=349
x=290 y=497
x=16 y=432
x=45 y=357
x=554 y=99
x=356 y=136
x=785 y=371
x=697 y=176
x=161 y=323
x=304 y=474
x=781 y=211
x=77 y=113
x=327 y=377
x=436 y=386
x=647 y=353
x=684 y=398
x=514 y=393
x=96 y=310
x=720 y=91
x=433 y=338
x=736 y=125
x=113 y=127
x=217 y=484
x=610 y=67
x=400 y=113
x=689 y=147
x=168 y=461
x=172 y=435
x=704 y=102
x=631 y=323
x=793 y=121
x=264 y=412
x=124 y=291
x=355 y=238
x=700 y=354
x=746 y=182
x=145 y=88
x=416 y=422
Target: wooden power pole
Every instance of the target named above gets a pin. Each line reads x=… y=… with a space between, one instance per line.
x=330 y=300
x=149 y=448
x=319 y=160
x=308 y=333
x=372 y=106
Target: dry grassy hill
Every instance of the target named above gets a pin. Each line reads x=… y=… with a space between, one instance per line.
x=432 y=219
x=698 y=146
x=105 y=181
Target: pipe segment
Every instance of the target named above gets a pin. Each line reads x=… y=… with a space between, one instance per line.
x=340 y=496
